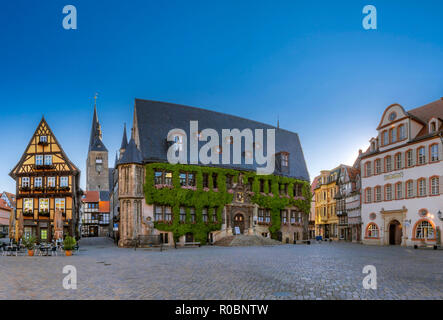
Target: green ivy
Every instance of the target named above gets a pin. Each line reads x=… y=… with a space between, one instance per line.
x=178 y=197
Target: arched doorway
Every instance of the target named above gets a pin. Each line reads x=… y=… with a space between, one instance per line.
x=395 y=232
x=239 y=221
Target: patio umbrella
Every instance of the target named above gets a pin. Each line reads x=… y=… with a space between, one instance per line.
x=12 y=225
x=58 y=225
x=21 y=226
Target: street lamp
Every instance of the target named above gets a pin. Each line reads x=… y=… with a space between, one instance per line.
x=440 y=215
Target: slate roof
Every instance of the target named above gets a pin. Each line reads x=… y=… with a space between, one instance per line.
x=132 y=154
x=95 y=141
x=153 y=121
x=104 y=195
x=124 y=139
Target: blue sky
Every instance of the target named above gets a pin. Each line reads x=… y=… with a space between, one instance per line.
x=310 y=63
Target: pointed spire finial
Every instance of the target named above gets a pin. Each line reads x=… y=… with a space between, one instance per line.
x=278 y=122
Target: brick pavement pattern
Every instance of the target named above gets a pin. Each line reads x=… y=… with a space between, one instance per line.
x=316 y=271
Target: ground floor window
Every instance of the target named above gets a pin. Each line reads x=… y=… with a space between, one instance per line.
x=43 y=234
x=162 y=213
x=372 y=231
x=424 y=230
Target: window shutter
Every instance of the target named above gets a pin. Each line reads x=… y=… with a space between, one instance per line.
x=415 y=184
x=440 y=180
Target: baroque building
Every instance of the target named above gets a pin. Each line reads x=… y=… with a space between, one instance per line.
x=199 y=201
x=326 y=221
x=46 y=181
x=401 y=172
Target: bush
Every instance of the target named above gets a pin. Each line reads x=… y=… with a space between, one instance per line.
x=29 y=242
x=69 y=243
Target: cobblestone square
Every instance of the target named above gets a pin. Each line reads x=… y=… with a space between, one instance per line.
x=317 y=271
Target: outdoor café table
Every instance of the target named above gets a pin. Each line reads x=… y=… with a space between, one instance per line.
x=45 y=249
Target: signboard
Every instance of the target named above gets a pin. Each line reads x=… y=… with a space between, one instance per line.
x=236 y=230
x=115 y=227
x=394 y=176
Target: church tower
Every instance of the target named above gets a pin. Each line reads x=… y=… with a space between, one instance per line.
x=97 y=171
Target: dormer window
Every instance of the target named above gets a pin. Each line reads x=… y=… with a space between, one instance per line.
x=385 y=138
x=372 y=146
x=285 y=159
x=432 y=127
x=401 y=132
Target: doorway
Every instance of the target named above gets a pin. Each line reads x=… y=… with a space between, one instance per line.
x=239 y=221
x=395 y=233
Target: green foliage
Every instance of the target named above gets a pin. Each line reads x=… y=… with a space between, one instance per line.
x=29 y=242
x=199 y=198
x=69 y=243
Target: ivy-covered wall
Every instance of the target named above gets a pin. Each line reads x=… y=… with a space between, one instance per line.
x=176 y=197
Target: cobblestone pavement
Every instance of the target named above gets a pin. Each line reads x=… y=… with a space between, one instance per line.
x=317 y=271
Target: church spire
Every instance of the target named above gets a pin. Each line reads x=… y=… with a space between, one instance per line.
x=125 y=139
x=95 y=141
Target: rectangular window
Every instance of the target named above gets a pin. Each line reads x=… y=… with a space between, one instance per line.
x=388 y=191
x=368 y=196
x=205 y=214
x=410 y=189
x=63 y=181
x=401 y=132
x=28 y=205
x=163 y=177
x=377 y=166
x=51 y=182
x=25 y=182
x=398 y=163
x=192 y=212
x=267 y=216
x=38 y=182
x=39 y=160
x=182 y=214
x=168 y=213
x=60 y=204
x=410 y=161
x=393 y=135
x=284 y=216
x=187 y=179
x=421 y=155
x=385 y=138
x=43 y=205
x=214 y=214
x=368 y=169
x=48 y=159
x=434 y=152
x=388 y=164
x=422 y=187
x=43 y=139
x=44 y=234
x=284 y=160
x=435 y=186
x=293 y=215
x=158 y=213
x=399 y=190
x=261 y=215
x=205 y=180
x=214 y=181
x=378 y=194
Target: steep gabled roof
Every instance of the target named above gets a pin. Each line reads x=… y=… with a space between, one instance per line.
x=95 y=141
x=426 y=112
x=71 y=165
x=132 y=154
x=153 y=120
x=124 y=144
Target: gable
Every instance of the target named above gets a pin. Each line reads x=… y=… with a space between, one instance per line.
x=393 y=113
x=49 y=147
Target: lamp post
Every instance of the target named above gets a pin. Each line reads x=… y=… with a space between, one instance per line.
x=440 y=215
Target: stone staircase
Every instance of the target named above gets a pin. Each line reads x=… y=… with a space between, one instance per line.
x=245 y=241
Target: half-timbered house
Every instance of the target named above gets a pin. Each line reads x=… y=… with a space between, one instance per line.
x=46 y=180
